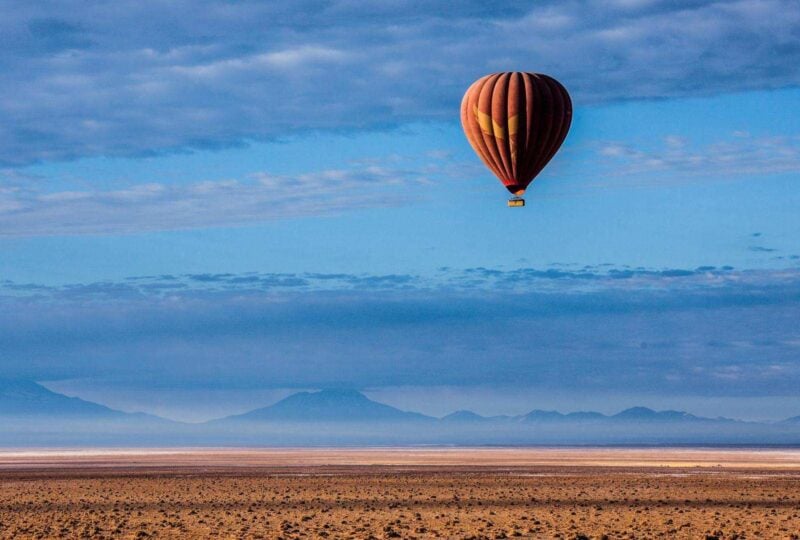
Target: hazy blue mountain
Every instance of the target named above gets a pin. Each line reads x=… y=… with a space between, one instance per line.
x=328 y=406
x=464 y=416
x=32 y=415
x=352 y=406
x=639 y=415
x=643 y=414
x=27 y=398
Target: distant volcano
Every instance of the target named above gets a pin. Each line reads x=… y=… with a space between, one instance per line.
x=329 y=406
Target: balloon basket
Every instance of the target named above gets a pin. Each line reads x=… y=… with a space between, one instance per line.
x=515 y=202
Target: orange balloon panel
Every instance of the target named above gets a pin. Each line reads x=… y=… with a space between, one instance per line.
x=516 y=123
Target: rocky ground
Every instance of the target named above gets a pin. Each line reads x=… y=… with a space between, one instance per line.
x=400 y=502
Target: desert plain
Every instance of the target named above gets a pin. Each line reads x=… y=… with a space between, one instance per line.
x=401 y=493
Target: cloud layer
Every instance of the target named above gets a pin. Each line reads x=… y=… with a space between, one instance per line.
x=138 y=77
x=703 y=332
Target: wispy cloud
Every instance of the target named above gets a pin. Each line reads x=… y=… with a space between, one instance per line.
x=558 y=278
x=87 y=79
x=302 y=57
x=31 y=210
x=741 y=154
x=29 y=207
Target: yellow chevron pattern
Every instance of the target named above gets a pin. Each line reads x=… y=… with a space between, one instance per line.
x=488 y=125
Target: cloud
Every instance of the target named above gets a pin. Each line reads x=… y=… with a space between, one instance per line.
x=668 y=332
x=142 y=77
x=31 y=210
x=560 y=278
x=741 y=155
x=286 y=59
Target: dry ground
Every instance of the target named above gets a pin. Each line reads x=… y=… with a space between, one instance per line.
x=400 y=494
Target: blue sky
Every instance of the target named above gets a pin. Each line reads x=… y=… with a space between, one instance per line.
x=218 y=199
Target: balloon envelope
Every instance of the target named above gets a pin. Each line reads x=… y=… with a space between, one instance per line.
x=516 y=123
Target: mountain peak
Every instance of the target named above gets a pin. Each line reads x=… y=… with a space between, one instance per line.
x=330 y=405
x=636 y=411
x=21 y=387
x=25 y=398
x=463 y=416
x=339 y=393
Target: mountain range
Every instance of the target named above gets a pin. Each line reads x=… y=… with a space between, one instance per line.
x=27 y=398
x=30 y=414
x=353 y=406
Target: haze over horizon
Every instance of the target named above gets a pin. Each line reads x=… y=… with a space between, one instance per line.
x=208 y=206
x=33 y=416
x=404 y=400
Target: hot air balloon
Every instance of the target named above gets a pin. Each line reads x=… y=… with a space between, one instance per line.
x=516 y=123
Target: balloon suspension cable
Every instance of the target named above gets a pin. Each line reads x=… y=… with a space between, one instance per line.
x=515 y=201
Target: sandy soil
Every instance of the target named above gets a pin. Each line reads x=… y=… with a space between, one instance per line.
x=400 y=493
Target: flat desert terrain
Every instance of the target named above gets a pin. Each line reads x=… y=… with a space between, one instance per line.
x=400 y=493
